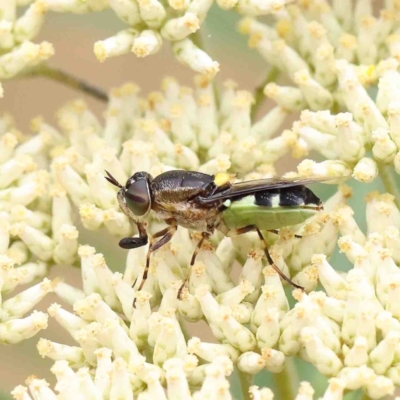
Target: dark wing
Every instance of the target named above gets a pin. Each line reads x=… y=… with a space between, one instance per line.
x=250 y=187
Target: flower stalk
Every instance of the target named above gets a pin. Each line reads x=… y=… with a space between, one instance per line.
x=66 y=79
x=246 y=381
x=259 y=96
x=286 y=381
x=390 y=183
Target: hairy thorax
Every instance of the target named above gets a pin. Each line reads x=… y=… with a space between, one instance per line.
x=188 y=215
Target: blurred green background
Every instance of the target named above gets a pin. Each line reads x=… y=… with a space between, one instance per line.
x=73 y=37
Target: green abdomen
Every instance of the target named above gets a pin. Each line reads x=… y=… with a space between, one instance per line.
x=245 y=212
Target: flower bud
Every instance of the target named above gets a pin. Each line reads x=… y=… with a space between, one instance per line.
x=187 y=53
x=147 y=43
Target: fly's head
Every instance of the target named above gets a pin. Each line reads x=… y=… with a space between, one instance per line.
x=135 y=197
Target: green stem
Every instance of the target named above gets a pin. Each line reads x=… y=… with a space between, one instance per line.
x=259 y=96
x=286 y=380
x=184 y=330
x=246 y=380
x=365 y=396
x=197 y=39
x=386 y=174
x=66 y=79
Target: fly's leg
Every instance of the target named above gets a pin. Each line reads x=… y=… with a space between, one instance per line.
x=168 y=233
x=159 y=234
x=204 y=236
x=271 y=261
x=276 y=232
x=135 y=242
x=155 y=236
x=251 y=228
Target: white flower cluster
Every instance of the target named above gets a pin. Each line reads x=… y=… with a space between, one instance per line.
x=113 y=380
x=332 y=56
x=45 y=178
x=350 y=330
x=17 y=51
x=24 y=246
x=49 y=176
x=150 y=23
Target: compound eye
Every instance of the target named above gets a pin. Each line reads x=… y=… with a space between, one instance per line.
x=137 y=197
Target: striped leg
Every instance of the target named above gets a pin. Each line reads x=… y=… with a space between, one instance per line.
x=251 y=228
x=276 y=232
x=204 y=236
x=168 y=233
x=155 y=236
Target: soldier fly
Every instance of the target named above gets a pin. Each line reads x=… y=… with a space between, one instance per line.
x=206 y=203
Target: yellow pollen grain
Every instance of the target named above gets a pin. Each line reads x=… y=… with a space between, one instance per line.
x=266 y=353
x=177 y=4
x=302 y=77
x=348 y=41
x=306 y=389
x=271 y=90
x=269 y=292
x=367 y=21
x=204 y=100
x=325 y=52
x=167 y=81
x=389 y=198
x=36 y=123
x=230 y=84
x=344 y=245
x=269 y=271
x=254 y=40
x=176 y=111
x=129 y=89
x=256 y=254
x=316 y=30
x=185 y=91
x=8 y=140
x=384 y=208
x=86 y=251
x=312 y=273
x=284 y=28
x=312 y=229
x=30 y=379
x=305 y=4
x=336 y=385
x=46 y=50
x=165 y=124
x=155 y=98
x=199 y=268
x=318 y=259
x=191 y=22
x=202 y=81
x=245 y=25
x=243 y=99
x=141 y=49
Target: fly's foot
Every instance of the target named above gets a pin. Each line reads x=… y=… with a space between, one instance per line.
x=132 y=242
x=297 y=286
x=180 y=291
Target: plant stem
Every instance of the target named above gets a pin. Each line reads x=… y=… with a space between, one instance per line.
x=184 y=329
x=259 y=96
x=365 y=396
x=246 y=380
x=389 y=182
x=197 y=39
x=68 y=80
x=285 y=380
